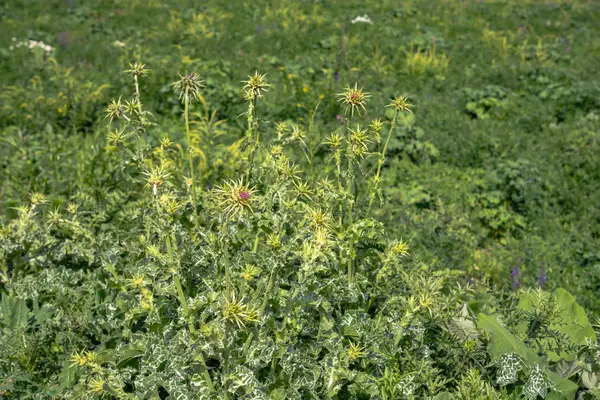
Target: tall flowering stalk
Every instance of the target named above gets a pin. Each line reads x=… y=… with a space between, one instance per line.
x=399 y=104
x=253 y=89
x=353 y=100
x=187 y=88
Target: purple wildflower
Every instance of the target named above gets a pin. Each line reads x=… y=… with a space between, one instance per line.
x=516 y=278
x=244 y=195
x=541 y=279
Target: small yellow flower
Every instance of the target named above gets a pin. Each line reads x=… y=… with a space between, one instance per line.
x=306 y=89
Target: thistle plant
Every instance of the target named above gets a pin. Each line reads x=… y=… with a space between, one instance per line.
x=399 y=104
x=284 y=287
x=188 y=88
x=253 y=90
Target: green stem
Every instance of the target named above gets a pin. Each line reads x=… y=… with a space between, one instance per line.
x=381 y=162
x=190 y=157
x=350 y=203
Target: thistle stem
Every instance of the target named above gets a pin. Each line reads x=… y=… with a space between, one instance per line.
x=381 y=162
x=350 y=202
x=190 y=156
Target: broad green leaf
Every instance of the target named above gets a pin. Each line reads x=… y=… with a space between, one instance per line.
x=503 y=341
x=564 y=388
x=14 y=312
x=443 y=396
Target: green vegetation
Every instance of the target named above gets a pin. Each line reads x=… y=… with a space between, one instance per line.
x=299 y=199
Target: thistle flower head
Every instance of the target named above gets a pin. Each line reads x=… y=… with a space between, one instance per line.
x=237 y=313
x=83 y=359
x=359 y=142
x=318 y=218
x=115 y=109
x=116 y=138
x=322 y=239
x=287 y=169
x=155 y=178
x=137 y=69
x=303 y=189
x=189 y=86
x=250 y=272
x=354 y=99
x=399 y=248
x=355 y=351
x=133 y=106
x=281 y=128
x=276 y=150
x=274 y=241
x=377 y=127
x=334 y=140
x=400 y=104
x=38 y=198
x=235 y=197
x=255 y=86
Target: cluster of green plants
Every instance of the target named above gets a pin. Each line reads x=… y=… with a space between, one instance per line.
x=276 y=283
x=206 y=239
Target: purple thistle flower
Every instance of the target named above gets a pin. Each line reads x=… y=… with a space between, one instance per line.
x=515 y=276
x=244 y=195
x=542 y=277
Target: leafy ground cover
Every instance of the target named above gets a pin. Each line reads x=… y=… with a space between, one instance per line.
x=400 y=203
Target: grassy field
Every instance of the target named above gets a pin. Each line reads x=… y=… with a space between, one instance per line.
x=126 y=240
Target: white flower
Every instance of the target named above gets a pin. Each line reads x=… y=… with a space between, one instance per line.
x=118 y=43
x=364 y=18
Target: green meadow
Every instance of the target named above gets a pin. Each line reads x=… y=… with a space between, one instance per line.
x=299 y=199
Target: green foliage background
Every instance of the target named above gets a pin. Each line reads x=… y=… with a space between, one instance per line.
x=495 y=174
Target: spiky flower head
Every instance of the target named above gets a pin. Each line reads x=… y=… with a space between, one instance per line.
x=235 y=197
x=38 y=198
x=281 y=128
x=274 y=241
x=276 y=150
x=334 y=140
x=400 y=104
x=98 y=386
x=137 y=69
x=399 y=248
x=318 y=218
x=377 y=127
x=255 y=85
x=303 y=189
x=322 y=239
x=359 y=142
x=250 y=272
x=287 y=169
x=354 y=99
x=115 y=109
x=355 y=351
x=155 y=178
x=133 y=106
x=116 y=138
x=237 y=313
x=189 y=86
